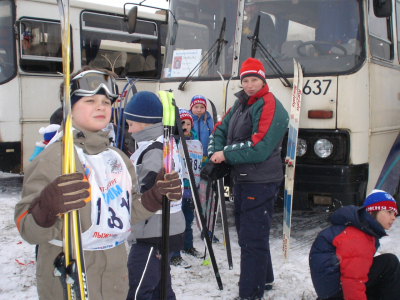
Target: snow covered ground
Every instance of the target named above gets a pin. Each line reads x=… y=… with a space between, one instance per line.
x=292 y=280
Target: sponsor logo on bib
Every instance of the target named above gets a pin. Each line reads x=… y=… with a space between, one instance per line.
x=116 y=167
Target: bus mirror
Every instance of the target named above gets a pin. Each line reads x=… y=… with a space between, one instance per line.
x=131 y=19
x=174 y=31
x=383 y=8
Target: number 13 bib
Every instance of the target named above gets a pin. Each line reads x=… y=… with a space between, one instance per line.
x=111 y=187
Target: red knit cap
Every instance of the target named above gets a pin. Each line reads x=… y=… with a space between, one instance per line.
x=185 y=114
x=252 y=67
x=198 y=99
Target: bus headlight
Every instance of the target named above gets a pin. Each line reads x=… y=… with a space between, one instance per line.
x=323 y=148
x=301 y=147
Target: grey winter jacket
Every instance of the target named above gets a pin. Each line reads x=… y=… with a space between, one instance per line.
x=148 y=164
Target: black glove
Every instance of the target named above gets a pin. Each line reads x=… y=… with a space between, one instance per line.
x=171 y=186
x=67 y=192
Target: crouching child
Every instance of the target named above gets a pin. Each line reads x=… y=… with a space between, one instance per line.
x=342 y=261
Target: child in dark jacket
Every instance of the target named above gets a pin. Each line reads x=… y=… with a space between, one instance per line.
x=195 y=152
x=342 y=261
x=144 y=114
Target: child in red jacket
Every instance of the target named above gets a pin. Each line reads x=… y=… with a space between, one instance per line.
x=342 y=261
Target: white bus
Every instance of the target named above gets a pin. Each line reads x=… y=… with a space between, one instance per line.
x=350 y=114
x=31 y=63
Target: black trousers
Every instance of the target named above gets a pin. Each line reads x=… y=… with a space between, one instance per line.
x=383 y=279
x=254 y=208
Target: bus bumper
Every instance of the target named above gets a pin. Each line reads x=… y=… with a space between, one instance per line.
x=327 y=188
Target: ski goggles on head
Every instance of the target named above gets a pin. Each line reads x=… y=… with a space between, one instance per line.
x=90 y=82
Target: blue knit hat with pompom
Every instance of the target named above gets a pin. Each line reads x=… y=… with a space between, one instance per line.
x=380 y=200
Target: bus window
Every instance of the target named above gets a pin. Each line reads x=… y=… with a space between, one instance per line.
x=324 y=36
x=398 y=27
x=379 y=35
x=107 y=44
x=199 y=27
x=40 y=46
x=8 y=68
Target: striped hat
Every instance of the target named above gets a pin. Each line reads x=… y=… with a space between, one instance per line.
x=380 y=200
x=144 y=107
x=185 y=114
x=252 y=67
x=198 y=99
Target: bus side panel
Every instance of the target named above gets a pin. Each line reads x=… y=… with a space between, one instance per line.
x=39 y=100
x=151 y=86
x=385 y=96
x=388 y=174
x=34 y=9
x=385 y=119
x=353 y=112
x=10 y=128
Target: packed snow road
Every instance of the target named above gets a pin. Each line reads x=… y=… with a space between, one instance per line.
x=292 y=280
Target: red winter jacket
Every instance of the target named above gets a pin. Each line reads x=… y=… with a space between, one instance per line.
x=342 y=254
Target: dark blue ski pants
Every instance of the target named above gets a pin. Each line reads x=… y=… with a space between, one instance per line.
x=144 y=268
x=254 y=208
x=187 y=210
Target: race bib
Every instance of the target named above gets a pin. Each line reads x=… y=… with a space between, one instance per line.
x=111 y=193
x=195 y=149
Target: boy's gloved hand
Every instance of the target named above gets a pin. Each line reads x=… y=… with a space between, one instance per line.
x=171 y=187
x=67 y=192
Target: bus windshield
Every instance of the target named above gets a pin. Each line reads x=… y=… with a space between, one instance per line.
x=200 y=24
x=325 y=36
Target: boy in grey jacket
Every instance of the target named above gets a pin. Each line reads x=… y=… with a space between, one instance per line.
x=143 y=114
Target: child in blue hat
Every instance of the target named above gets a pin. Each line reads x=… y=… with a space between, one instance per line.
x=343 y=264
x=143 y=114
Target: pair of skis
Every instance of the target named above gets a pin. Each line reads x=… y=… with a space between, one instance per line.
x=290 y=159
x=69 y=264
x=221 y=203
x=168 y=148
x=168 y=97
